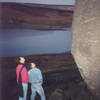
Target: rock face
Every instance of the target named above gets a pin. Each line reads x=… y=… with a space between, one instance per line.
x=35 y=16
x=86 y=42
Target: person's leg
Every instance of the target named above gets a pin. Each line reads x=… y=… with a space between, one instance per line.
x=25 y=91
x=40 y=91
x=33 y=92
x=20 y=98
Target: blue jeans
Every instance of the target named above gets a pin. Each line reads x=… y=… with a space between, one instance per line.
x=37 y=88
x=24 y=91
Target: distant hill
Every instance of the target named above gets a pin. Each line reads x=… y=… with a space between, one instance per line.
x=36 y=16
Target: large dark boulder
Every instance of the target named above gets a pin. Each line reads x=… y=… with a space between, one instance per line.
x=86 y=42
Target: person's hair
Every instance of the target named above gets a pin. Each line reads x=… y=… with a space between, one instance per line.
x=30 y=64
x=18 y=59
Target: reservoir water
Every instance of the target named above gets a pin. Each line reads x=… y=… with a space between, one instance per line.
x=21 y=42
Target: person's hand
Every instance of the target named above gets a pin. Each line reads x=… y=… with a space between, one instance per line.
x=39 y=83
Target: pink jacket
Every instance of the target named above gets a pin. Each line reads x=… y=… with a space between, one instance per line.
x=24 y=74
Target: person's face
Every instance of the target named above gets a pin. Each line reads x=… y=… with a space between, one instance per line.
x=22 y=59
x=33 y=65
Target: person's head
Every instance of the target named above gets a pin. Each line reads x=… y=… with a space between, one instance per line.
x=32 y=65
x=21 y=60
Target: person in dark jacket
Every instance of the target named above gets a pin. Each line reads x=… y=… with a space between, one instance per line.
x=21 y=70
x=36 y=80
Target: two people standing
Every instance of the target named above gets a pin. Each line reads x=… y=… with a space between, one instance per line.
x=34 y=76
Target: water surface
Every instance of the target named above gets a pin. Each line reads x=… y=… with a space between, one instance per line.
x=20 y=42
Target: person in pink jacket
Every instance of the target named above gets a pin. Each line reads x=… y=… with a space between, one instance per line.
x=22 y=71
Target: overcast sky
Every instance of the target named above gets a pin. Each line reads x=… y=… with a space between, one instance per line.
x=58 y=2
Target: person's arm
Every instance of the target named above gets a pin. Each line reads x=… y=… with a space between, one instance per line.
x=40 y=77
x=17 y=74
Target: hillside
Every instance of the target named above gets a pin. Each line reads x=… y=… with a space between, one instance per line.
x=36 y=16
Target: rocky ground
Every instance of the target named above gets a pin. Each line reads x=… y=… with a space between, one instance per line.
x=62 y=80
